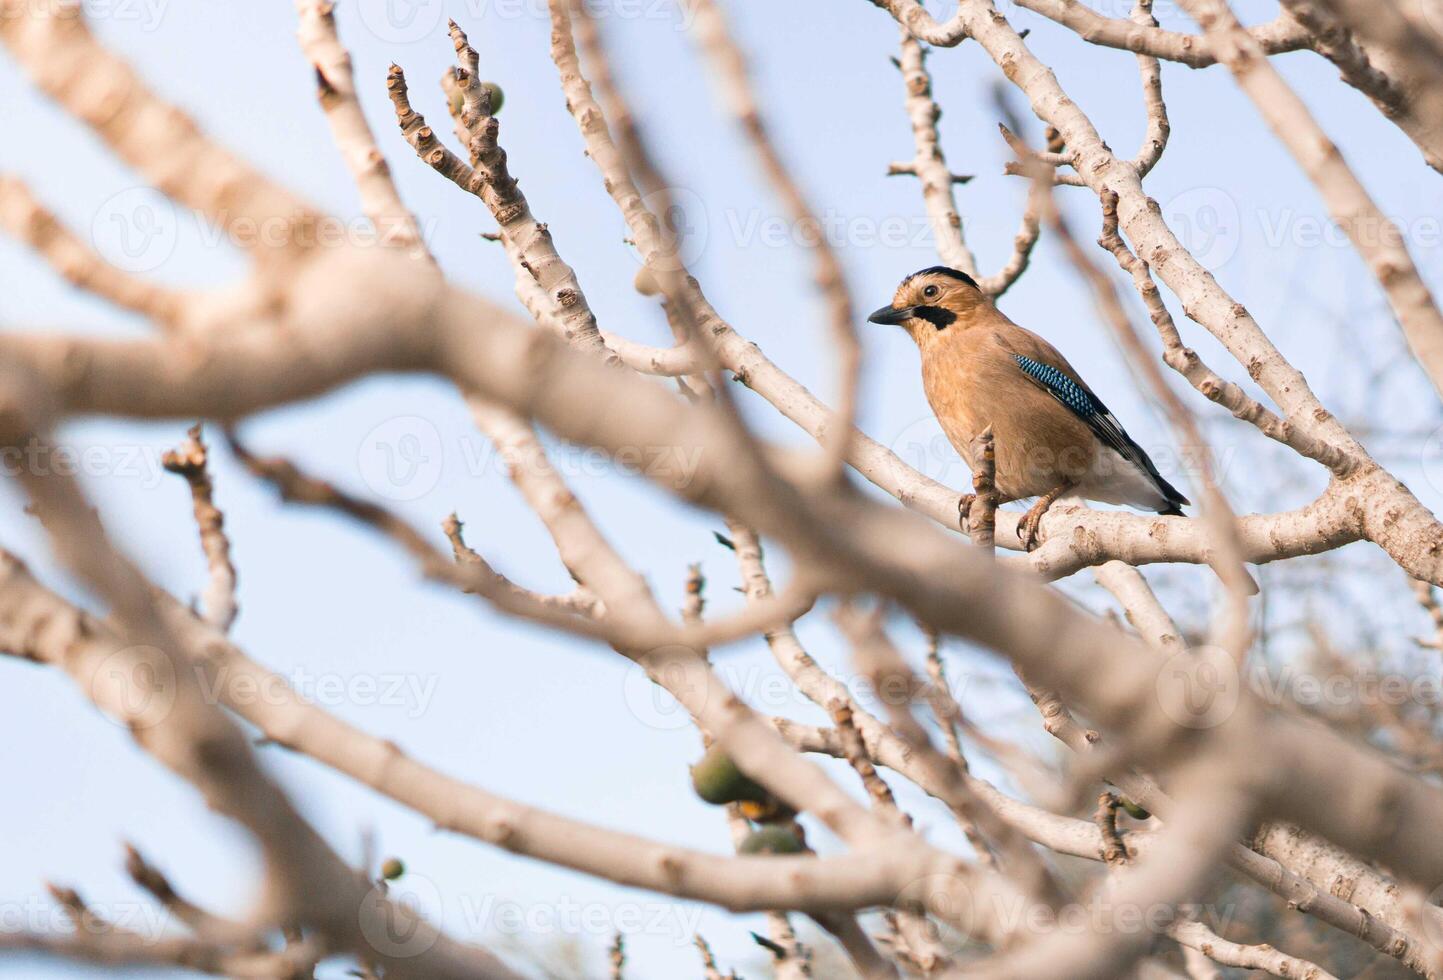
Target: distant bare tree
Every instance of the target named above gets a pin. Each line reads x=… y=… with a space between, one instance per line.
x=1201 y=771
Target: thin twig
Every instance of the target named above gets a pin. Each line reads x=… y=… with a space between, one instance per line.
x=189 y=461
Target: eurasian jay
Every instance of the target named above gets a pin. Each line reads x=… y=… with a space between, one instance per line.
x=1052 y=435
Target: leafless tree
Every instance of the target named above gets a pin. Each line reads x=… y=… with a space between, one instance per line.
x=1202 y=774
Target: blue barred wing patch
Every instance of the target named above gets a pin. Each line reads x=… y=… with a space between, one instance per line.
x=1061 y=387
x=1103 y=423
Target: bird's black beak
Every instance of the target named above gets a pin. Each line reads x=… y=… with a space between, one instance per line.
x=891 y=315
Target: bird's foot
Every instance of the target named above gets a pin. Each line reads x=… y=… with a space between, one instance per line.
x=1028 y=527
x=964 y=511
x=1031 y=523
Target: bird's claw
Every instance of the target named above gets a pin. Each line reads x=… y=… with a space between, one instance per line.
x=964 y=511
x=1031 y=522
x=1028 y=527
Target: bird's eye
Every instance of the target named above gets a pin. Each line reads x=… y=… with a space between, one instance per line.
x=930 y=292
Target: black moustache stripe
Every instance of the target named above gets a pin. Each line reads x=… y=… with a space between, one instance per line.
x=935 y=315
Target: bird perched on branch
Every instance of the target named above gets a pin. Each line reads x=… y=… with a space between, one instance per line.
x=1053 y=437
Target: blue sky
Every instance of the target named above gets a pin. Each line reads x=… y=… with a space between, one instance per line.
x=546 y=719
